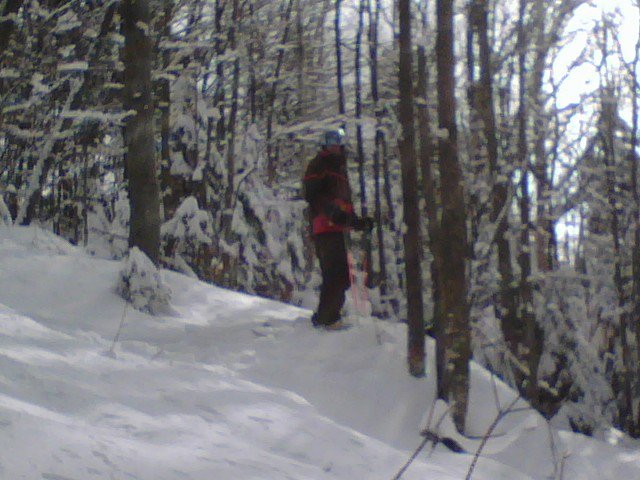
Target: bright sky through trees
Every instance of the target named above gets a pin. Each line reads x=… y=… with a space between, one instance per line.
x=584 y=79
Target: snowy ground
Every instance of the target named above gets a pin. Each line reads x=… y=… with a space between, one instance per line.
x=231 y=387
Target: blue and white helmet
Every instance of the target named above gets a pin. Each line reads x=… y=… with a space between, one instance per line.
x=333 y=137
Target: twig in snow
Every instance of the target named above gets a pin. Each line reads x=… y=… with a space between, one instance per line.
x=485 y=439
x=111 y=351
x=428 y=435
x=412 y=458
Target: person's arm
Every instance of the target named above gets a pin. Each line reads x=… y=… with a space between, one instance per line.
x=340 y=214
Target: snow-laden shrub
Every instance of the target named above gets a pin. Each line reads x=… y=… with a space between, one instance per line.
x=140 y=283
x=267 y=240
x=190 y=114
x=573 y=363
x=187 y=238
x=109 y=227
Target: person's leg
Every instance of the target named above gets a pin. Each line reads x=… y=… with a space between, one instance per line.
x=331 y=251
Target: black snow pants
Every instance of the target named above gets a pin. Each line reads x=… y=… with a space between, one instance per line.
x=332 y=253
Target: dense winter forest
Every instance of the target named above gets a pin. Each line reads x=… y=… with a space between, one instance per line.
x=494 y=143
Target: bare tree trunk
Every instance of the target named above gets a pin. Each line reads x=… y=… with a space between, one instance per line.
x=608 y=136
x=230 y=263
x=394 y=227
x=507 y=306
x=412 y=242
x=364 y=210
x=545 y=238
x=634 y=165
x=454 y=385
x=301 y=53
x=432 y=200
x=381 y=162
x=531 y=348
x=338 y=36
x=374 y=17
x=233 y=114
x=144 y=193
x=219 y=96
x=167 y=189
x=253 y=83
x=271 y=152
x=85 y=195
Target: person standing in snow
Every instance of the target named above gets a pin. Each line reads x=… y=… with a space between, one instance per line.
x=327 y=190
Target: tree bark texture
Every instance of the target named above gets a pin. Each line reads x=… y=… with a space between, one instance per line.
x=429 y=187
x=530 y=350
x=634 y=165
x=338 y=39
x=455 y=333
x=411 y=237
x=374 y=17
x=626 y=369
x=144 y=194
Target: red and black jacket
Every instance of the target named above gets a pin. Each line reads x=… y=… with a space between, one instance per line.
x=327 y=189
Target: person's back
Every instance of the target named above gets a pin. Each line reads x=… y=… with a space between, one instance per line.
x=327 y=190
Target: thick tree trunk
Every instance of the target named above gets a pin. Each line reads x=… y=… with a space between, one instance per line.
x=455 y=333
x=531 y=349
x=412 y=242
x=144 y=195
x=432 y=200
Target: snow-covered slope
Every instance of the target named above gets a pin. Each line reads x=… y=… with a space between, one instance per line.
x=230 y=387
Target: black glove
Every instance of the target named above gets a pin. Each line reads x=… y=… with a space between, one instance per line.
x=338 y=215
x=364 y=224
